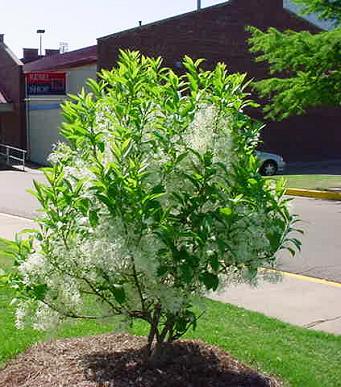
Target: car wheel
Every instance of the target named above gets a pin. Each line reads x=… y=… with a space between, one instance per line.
x=269 y=168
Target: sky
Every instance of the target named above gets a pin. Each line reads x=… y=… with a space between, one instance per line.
x=80 y=22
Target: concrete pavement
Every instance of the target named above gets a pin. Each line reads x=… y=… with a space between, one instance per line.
x=303 y=301
x=10 y=225
x=14 y=198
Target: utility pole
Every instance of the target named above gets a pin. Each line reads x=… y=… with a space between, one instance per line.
x=41 y=32
x=198 y=4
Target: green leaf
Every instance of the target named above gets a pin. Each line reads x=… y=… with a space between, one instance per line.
x=210 y=280
x=162 y=270
x=119 y=294
x=252 y=181
x=226 y=211
x=39 y=291
x=186 y=273
x=93 y=218
x=214 y=263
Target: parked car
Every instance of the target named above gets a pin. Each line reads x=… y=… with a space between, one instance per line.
x=270 y=163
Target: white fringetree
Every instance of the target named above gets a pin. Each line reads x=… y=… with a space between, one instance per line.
x=154 y=198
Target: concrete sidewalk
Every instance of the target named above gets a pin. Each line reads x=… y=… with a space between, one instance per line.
x=14 y=198
x=299 y=300
x=10 y=225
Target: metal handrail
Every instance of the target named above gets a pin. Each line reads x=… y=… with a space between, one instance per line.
x=9 y=157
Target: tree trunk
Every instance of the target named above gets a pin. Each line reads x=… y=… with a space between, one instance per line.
x=160 y=354
x=159 y=343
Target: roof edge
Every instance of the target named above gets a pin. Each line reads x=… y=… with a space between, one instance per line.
x=3 y=97
x=11 y=54
x=297 y=16
x=63 y=67
x=78 y=49
x=145 y=26
x=67 y=60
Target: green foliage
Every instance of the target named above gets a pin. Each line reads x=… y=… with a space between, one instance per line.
x=306 y=66
x=155 y=198
x=324 y=9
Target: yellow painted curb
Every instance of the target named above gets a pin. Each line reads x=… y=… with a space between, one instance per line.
x=306 y=278
x=314 y=194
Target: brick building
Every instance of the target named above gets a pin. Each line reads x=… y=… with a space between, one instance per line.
x=218 y=33
x=13 y=118
x=12 y=95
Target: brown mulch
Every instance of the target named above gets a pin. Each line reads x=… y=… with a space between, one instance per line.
x=117 y=360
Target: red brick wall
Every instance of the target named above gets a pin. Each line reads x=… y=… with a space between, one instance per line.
x=12 y=124
x=218 y=34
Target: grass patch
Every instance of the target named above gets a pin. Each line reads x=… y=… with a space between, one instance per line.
x=315 y=182
x=298 y=356
x=6 y=251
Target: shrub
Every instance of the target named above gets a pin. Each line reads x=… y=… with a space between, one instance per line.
x=154 y=198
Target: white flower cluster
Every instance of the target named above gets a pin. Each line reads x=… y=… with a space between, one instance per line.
x=210 y=131
x=60 y=151
x=33 y=267
x=38 y=314
x=202 y=131
x=248 y=235
x=101 y=255
x=45 y=318
x=172 y=299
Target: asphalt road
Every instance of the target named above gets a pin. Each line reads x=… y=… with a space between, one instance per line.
x=321 y=244
x=321 y=220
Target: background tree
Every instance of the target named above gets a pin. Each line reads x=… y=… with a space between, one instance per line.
x=155 y=198
x=307 y=66
x=324 y=9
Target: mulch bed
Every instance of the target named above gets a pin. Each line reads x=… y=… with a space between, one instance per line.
x=117 y=360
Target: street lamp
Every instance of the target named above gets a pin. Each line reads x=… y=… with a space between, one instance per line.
x=40 y=32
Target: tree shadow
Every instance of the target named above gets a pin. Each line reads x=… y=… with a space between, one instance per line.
x=331 y=167
x=6 y=167
x=18 y=167
x=185 y=364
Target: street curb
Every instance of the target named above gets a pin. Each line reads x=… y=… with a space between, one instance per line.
x=327 y=195
x=16 y=217
x=302 y=277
